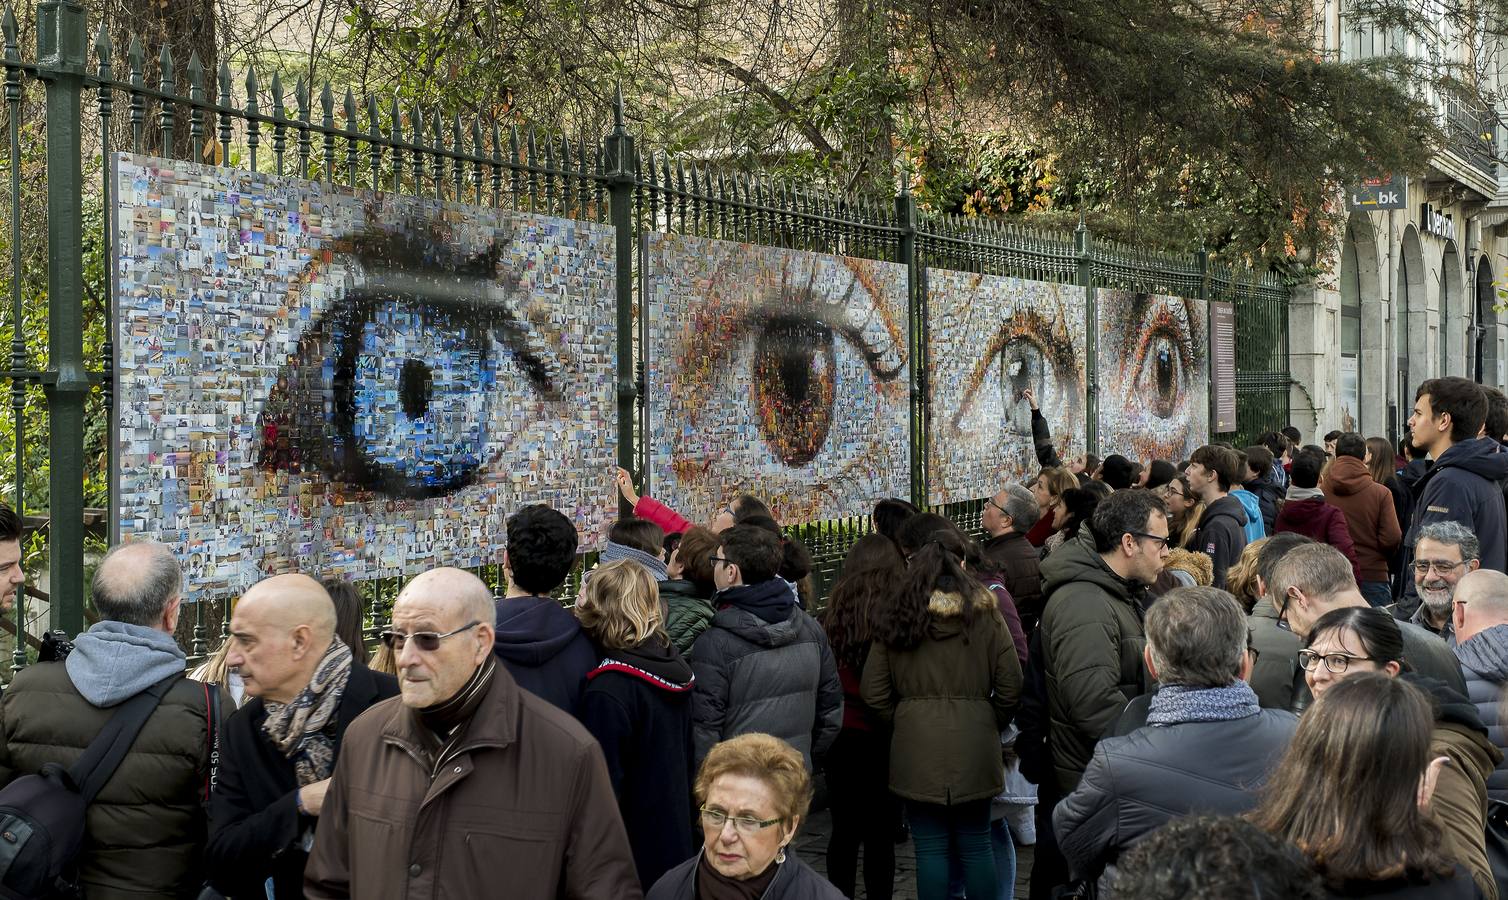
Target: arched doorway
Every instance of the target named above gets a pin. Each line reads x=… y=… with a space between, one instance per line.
x=1452 y=332
x=1350 y=334
x=1362 y=276
x=1412 y=323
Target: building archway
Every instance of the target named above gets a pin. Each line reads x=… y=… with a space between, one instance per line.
x=1452 y=321
x=1362 y=381
x=1412 y=322
x=1487 y=358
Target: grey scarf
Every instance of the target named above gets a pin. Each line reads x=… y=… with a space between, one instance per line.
x=1297 y=493
x=1176 y=704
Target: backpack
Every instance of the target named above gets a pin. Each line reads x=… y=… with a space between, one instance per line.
x=42 y=825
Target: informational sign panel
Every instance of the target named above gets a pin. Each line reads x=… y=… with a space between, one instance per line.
x=1223 y=364
x=1374 y=194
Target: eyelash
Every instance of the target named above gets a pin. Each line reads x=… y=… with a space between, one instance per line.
x=1033 y=326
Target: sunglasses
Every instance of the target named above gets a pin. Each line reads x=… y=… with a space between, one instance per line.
x=425 y=641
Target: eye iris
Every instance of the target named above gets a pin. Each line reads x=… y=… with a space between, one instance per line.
x=1164 y=376
x=794 y=378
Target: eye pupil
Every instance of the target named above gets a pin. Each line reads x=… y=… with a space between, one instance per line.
x=1165 y=373
x=415 y=386
x=794 y=378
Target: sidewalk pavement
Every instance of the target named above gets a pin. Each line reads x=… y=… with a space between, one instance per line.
x=811 y=844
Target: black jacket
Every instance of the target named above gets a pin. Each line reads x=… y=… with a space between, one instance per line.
x=1269 y=498
x=795 y=880
x=255 y=825
x=1137 y=783
x=544 y=649
x=637 y=704
x=1464 y=485
x=754 y=674
x=1047 y=454
x=1015 y=560
x=1457 y=887
x=1222 y=535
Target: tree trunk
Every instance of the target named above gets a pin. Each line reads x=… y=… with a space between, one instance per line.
x=186 y=27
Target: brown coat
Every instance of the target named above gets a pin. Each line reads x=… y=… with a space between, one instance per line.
x=522 y=807
x=1370 y=514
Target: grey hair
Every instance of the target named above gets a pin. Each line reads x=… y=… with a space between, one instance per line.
x=1318 y=570
x=1021 y=506
x=1197 y=636
x=1454 y=534
x=135 y=582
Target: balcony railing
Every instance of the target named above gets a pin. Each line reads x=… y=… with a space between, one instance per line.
x=1471 y=133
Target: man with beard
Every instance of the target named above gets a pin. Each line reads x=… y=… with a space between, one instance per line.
x=1444 y=553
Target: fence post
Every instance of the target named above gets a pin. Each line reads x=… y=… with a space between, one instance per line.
x=905 y=220
x=620 y=178
x=1091 y=339
x=61 y=41
x=1202 y=264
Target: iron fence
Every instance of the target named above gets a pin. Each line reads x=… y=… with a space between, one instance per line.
x=91 y=106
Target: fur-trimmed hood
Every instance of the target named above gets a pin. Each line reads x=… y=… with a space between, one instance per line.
x=1198 y=565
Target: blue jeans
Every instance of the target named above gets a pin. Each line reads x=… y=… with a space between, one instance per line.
x=1004 y=847
x=1377 y=593
x=947 y=834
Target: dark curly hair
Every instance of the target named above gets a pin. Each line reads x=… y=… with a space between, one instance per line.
x=1215 y=856
x=936 y=551
x=871 y=571
x=541 y=548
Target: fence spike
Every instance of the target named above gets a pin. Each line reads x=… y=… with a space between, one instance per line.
x=513 y=161
x=102 y=47
x=12 y=39
x=618 y=111
x=497 y=162
x=252 y=106
x=253 y=109
x=478 y=156
x=581 y=174
x=457 y=162
x=165 y=68
x=227 y=124
x=301 y=96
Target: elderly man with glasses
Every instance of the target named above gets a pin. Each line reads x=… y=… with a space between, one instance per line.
x=466 y=785
x=1443 y=553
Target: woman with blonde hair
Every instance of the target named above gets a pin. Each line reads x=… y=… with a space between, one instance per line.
x=1048 y=490
x=753 y=792
x=637 y=704
x=1241 y=579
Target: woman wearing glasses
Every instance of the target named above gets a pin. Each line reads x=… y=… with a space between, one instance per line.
x=753 y=791
x=1356 y=640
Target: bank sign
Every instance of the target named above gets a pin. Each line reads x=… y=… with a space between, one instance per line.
x=1379 y=193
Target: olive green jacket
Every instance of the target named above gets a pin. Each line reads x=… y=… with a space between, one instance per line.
x=1092 y=642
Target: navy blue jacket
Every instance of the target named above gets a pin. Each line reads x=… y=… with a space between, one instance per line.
x=544 y=649
x=1462 y=486
x=1269 y=498
x=637 y=705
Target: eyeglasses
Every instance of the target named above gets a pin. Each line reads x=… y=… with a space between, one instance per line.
x=426 y=641
x=748 y=826
x=720 y=559
x=991 y=502
x=1422 y=566
x=1161 y=540
x=1336 y=663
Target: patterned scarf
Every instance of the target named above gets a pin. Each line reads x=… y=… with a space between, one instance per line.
x=298 y=728
x=1176 y=704
x=612 y=552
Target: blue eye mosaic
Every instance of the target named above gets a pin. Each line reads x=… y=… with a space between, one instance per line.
x=327 y=379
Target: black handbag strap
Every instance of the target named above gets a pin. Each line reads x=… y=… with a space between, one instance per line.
x=104 y=754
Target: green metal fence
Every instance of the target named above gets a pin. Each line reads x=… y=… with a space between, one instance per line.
x=78 y=100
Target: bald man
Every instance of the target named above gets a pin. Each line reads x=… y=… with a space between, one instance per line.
x=144 y=831
x=278 y=752
x=467 y=785
x=1481 y=620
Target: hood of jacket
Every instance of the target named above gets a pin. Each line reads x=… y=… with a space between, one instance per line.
x=1487 y=653
x=1348 y=476
x=1410 y=474
x=946 y=609
x=770 y=600
x=758 y=631
x=1077 y=561
x=1455 y=708
x=531 y=631
x=1482 y=457
x=656 y=662
x=1227 y=507
x=113 y=661
x=680 y=588
x=1199 y=566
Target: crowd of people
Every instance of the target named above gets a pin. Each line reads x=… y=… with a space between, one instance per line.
x=1275 y=671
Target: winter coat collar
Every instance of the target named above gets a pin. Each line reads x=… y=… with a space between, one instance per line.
x=494 y=724
x=1077 y=561
x=770 y=600
x=1296 y=493
x=1487 y=653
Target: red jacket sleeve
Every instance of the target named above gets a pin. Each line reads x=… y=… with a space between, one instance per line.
x=662 y=515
